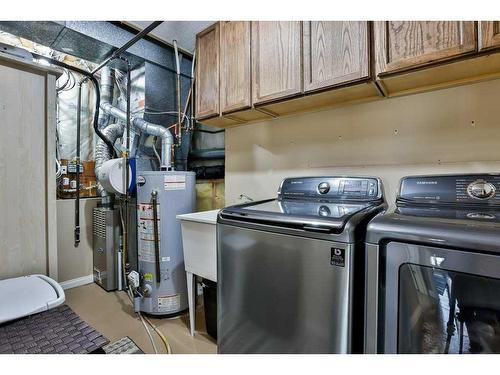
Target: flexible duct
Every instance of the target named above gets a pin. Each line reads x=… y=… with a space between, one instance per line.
x=102 y=153
x=106 y=95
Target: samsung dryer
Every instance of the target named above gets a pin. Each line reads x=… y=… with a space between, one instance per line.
x=433 y=268
x=290 y=269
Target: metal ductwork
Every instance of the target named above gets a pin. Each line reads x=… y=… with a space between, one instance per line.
x=167 y=139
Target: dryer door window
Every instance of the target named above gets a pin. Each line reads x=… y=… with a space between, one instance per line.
x=443 y=311
x=438 y=300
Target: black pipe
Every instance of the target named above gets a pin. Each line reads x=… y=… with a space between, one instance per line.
x=98 y=95
x=96 y=117
x=208 y=172
x=77 y=160
x=127 y=163
x=209 y=154
x=209 y=131
x=123 y=48
x=129 y=88
x=115 y=54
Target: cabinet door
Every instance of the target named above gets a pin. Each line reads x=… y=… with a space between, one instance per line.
x=402 y=45
x=276 y=60
x=335 y=53
x=207 y=72
x=235 y=79
x=490 y=34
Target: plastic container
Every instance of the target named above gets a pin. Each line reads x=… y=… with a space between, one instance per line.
x=210 y=306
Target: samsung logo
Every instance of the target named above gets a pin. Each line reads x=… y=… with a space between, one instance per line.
x=426 y=182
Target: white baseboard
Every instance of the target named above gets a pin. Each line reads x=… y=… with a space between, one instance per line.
x=84 y=280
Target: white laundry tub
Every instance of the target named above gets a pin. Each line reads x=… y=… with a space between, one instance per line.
x=199 y=240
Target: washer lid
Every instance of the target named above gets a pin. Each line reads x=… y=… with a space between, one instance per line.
x=304 y=214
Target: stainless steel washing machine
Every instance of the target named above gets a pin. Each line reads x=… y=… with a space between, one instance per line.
x=433 y=268
x=290 y=270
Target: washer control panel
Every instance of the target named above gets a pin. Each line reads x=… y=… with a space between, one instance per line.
x=464 y=189
x=481 y=189
x=327 y=188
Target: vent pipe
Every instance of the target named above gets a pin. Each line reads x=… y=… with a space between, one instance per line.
x=167 y=140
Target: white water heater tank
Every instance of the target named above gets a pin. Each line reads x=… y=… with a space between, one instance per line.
x=112 y=177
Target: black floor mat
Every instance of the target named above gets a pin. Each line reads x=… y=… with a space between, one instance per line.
x=58 y=330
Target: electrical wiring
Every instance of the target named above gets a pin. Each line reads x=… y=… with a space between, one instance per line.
x=62 y=87
x=129 y=293
x=70 y=82
x=158 y=332
x=154 y=149
x=58 y=169
x=162 y=336
x=148 y=332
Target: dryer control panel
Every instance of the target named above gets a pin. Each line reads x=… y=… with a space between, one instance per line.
x=331 y=188
x=483 y=189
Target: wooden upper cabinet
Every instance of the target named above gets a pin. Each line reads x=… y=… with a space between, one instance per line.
x=235 y=79
x=401 y=45
x=335 y=53
x=490 y=34
x=207 y=73
x=276 y=60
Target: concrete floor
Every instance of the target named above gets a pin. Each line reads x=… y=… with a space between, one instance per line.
x=111 y=313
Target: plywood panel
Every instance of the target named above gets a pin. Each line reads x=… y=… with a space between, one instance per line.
x=74 y=262
x=51 y=176
x=209 y=195
x=451 y=130
x=23 y=232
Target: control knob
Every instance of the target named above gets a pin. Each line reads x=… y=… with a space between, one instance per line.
x=324 y=211
x=323 y=188
x=481 y=190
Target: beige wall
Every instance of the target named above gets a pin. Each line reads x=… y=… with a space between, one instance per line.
x=455 y=130
x=27 y=172
x=74 y=262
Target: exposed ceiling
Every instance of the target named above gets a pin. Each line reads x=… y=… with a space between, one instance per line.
x=182 y=31
x=95 y=40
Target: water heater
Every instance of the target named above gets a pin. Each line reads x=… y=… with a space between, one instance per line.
x=161 y=196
